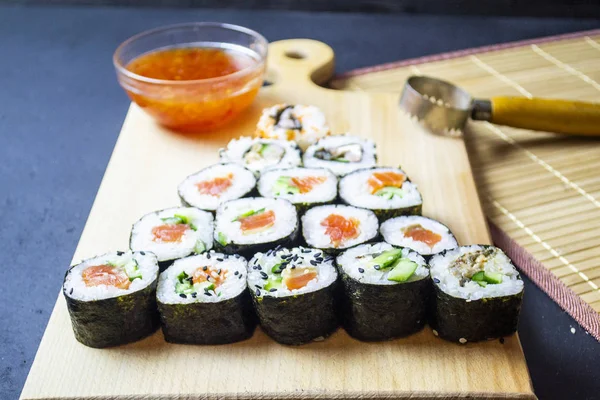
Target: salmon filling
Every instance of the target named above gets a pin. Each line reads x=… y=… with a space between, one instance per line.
x=105 y=275
x=299 y=277
x=209 y=274
x=420 y=234
x=256 y=221
x=169 y=233
x=380 y=180
x=215 y=187
x=307 y=183
x=340 y=228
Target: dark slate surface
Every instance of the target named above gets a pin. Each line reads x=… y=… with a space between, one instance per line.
x=61 y=111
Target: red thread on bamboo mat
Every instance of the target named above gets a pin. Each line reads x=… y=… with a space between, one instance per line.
x=568 y=300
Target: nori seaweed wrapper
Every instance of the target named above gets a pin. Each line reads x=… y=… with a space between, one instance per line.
x=227 y=321
x=298 y=319
x=457 y=319
x=248 y=250
x=374 y=312
x=116 y=320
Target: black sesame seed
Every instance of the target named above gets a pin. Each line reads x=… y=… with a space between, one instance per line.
x=278 y=247
x=362 y=271
x=254 y=267
x=313 y=262
x=235 y=273
x=273 y=290
x=194 y=295
x=143 y=253
x=183 y=296
x=219 y=259
x=295 y=258
x=71 y=292
x=120 y=253
x=204 y=268
x=501 y=340
x=258 y=286
x=208 y=256
x=293 y=267
x=219 y=271
x=319 y=259
x=209 y=294
x=305 y=250
x=240 y=276
x=264 y=276
x=436 y=280
x=318 y=255
x=377 y=267
x=257 y=292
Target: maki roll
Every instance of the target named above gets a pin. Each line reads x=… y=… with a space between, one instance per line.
x=386 y=291
x=203 y=299
x=112 y=298
x=304 y=124
x=424 y=235
x=253 y=224
x=261 y=154
x=477 y=292
x=304 y=187
x=173 y=233
x=210 y=187
x=293 y=291
x=341 y=154
x=337 y=227
x=386 y=191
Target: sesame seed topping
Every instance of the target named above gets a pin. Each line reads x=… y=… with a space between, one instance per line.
x=462 y=340
x=240 y=276
x=120 y=253
x=71 y=292
x=208 y=256
x=236 y=272
x=207 y=293
x=272 y=290
x=435 y=332
x=501 y=340
x=257 y=292
x=377 y=267
x=194 y=294
x=143 y=253
x=313 y=262
x=318 y=255
x=264 y=275
x=183 y=296
x=219 y=259
x=219 y=271
x=362 y=271
x=436 y=280
x=204 y=268
x=258 y=286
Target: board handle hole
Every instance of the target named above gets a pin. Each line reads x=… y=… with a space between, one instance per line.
x=295 y=54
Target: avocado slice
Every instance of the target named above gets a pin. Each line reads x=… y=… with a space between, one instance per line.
x=387 y=258
x=403 y=270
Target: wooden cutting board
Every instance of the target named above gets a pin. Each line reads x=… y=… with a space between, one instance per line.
x=147 y=164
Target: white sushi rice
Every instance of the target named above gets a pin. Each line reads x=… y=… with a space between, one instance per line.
x=355 y=190
x=330 y=143
x=392 y=231
x=76 y=288
x=262 y=264
x=449 y=282
x=314 y=232
x=243 y=181
x=234 y=268
x=360 y=258
x=321 y=193
x=142 y=237
x=286 y=220
x=303 y=124
x=237 y=149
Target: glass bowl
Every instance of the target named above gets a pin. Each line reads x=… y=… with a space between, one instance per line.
x=194 y=105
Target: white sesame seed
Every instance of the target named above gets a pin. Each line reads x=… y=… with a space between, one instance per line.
x=462 y=340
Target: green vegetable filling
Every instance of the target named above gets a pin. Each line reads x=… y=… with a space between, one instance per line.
x=179 y=219
x=131 y=268
x=274 y=283
x=185 y=285
x=483 y=278
x=283 y=186
x=389 y=192
x=403 y=270
x=248 y=214
x=200 y=247
x=387 y=259
x=222 y=239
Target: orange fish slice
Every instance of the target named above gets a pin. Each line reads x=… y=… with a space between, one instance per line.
x=203 y=274
x=298 y=277
x=215 y=187
x=340 y=228
x=420 y=234
x=382 y=179
x=307 y=183
x=105 y=275
x=169 y=233
x=259 y=221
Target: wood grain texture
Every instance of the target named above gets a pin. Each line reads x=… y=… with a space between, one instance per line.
x=145 y=168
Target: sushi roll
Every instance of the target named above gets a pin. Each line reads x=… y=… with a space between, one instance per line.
x=336 y=227
x=386 y=191
x=293 y=291
x=341 y=154
x=253 y=224
x=386 y=291
x=259 y=154
x=303 y=124
x=112 y=298
x=173 y=233
x=424 y=235
x=304 y=187
x=477 y=294
x=213 y=185
x=203 y=299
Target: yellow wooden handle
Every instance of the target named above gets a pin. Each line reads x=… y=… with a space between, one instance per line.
x=561 y=116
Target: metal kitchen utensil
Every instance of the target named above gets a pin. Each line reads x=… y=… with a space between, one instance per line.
x=444 y=108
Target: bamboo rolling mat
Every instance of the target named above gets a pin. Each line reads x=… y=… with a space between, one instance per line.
x=540 y=191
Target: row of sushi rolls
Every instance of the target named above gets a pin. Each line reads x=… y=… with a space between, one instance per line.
x=301 y=232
